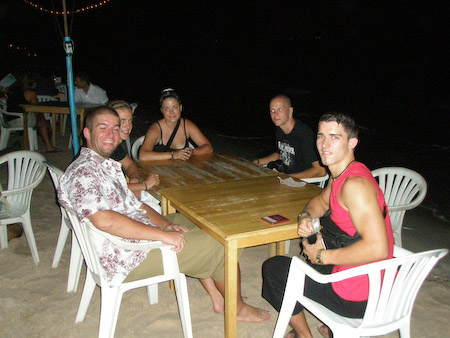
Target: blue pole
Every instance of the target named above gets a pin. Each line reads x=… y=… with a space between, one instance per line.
x=68 y=46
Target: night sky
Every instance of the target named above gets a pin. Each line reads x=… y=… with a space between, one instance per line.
x=387 y=63
x=383 y=62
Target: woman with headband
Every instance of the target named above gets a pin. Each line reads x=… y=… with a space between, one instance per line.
x=173 y=137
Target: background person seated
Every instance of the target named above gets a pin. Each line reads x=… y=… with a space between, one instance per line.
x=25 y=90
x=173 y=137
x=87 y=92
x=296 y=153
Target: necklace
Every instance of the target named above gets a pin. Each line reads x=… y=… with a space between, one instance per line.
x=343 y=171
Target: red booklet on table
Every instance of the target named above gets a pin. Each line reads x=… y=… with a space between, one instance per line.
x=275 y=220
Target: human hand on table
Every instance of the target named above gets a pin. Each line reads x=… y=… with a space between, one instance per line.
x=152 y=180
x=183 y=154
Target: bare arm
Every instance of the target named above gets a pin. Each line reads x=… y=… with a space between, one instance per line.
x=161 y=221
x=264 y=160
x=315 y=208
x=316 y=170
x=132 y=172
x=359 y=197
x=146 y=152
x=125 y=227
x=204 y=146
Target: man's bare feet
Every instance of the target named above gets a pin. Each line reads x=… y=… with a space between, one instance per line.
x=248 y=313
x=219 y=306
x=216 y=297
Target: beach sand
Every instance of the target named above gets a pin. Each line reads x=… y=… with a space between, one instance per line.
x=34 y=301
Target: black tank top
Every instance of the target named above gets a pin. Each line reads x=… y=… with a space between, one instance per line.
x=164 y=148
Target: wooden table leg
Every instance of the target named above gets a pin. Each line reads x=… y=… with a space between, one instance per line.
x=231 y=289
x=272 y=249
x=61 y=124
x=54 y=130
x=166 y=207
x=281 y=248
x=26 y=144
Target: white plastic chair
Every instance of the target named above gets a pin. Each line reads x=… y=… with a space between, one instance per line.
x=14 y=125
x=47 y=98
x=128 y=142
x=135 y=148
x=76 y=257
x=25 y=171
x=403 y=189
x=390 y=302
x=320 y=182
x=111 y=297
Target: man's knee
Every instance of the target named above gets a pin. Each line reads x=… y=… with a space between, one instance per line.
x=276 y=267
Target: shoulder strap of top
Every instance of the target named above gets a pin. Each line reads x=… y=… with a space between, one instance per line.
x=173 y=134
x=160 y=129
x=185 y=135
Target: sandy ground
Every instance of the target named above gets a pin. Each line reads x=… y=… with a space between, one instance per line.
x=34 y=301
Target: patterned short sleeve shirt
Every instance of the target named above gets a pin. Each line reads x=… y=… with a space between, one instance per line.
x=91 y=184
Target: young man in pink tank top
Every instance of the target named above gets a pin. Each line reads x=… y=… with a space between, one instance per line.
x=357 y=208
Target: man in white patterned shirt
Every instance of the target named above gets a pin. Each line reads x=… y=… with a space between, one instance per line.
x=94 y=187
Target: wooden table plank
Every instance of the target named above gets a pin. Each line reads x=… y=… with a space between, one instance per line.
x=211 y=168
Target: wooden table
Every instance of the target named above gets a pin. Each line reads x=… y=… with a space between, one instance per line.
x=52 y=107
x=231 y=212
x=211 y=168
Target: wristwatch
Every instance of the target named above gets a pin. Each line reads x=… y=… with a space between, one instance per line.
x=319 y=257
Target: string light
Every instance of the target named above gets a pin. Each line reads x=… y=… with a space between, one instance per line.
x=78 y=10
x=20 y=49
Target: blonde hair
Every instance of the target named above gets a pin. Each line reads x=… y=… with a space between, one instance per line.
x=118 y=104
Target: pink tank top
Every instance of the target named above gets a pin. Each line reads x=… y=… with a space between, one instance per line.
x=357 y=288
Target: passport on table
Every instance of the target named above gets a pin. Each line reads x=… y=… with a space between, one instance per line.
x=274 y=220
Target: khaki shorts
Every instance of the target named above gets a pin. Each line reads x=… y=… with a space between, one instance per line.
x=202 y=257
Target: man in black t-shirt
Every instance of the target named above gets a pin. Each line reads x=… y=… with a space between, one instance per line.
x=295 y=143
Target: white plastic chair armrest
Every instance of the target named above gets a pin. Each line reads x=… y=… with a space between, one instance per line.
x=315 y=179
x=402 y=207
x=334 y=277
x=11 y=192
x=400 y=252
x=31 y=186
x=357 y=271
x=10 y=113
